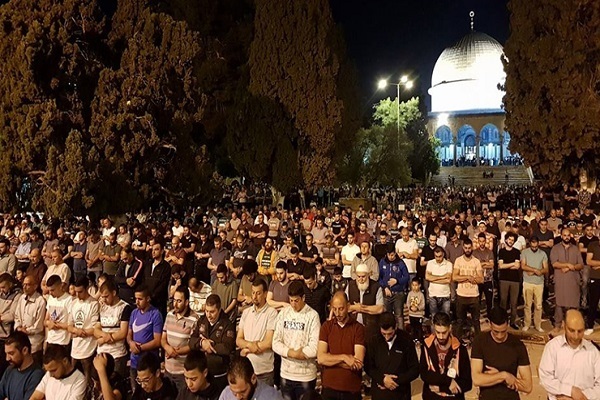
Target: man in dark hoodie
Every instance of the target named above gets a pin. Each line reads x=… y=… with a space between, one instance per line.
x=391 y=361
x=445 y=364
x=200 y=384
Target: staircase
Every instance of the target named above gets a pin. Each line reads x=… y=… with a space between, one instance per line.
x=473 y=176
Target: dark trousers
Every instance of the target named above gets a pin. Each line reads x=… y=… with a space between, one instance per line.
x=293 y=390
x=594 y=291
x=509 y=294
x=416 y=327
x=330 y=394
x=85 y=365
x=465 y=305
x=487 y=289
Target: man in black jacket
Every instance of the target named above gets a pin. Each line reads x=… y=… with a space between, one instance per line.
x=215 y=336
x=391 y=361
x=157 y=275
x=129 y=276
x=445 y=364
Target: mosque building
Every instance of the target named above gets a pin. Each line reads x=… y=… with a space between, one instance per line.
x=467 y=114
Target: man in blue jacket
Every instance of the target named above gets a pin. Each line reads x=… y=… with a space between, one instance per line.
x=393 y=279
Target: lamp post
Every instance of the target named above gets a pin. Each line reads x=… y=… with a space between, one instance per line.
x=408 y=84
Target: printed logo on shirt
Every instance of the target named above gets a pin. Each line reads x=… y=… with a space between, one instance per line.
x=294 y=325
x=79 y=319
x=138 y=328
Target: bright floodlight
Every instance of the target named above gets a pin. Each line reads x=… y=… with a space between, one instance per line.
x=404 y=79
x=382 y=84
x=442 y=119
x=408 y=84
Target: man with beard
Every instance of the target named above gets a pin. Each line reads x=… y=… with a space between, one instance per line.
x=129 y=275
x=156 y=278
x=244 y=385
x=202 y=254
x=227 y=288
x=37 y=267
x=309 y=252
x=30 y=316
x=65 y=244
x=139 y=242
x=468 y=274
x=365 y=257
x=49 y=245
x=341 y=352
x=366 y=300
x=267 y=259
x=567 y=262
x=110 y=254
x=23 y=375
x=255 y=333
x=277 y=297
x=259 y=231
x=316 y=295
x=486 y=258
x=393 y=278
x=199 y=384
x=569 y=364
x=295 y=340
x=445 y=367
x=534 y=264
x=508 y=273
x=218 y=255
x=62 y=380
x=9 y=300
x=391 y=361
x=215 y=336
x=295 y=265
x=499 y=361
x=8 y=261
x=249 y=271
x=179 y=325
x=176 y=254
x=241 y=252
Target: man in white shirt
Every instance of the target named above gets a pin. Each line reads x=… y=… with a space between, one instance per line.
x=59 y=268
x=570 y=364
x=439 y=274
x=296 y=339
x=57 y=313
x=255 y=333
x=84 y=314
x=61 y=381
x=408 y=250
x=349 y=251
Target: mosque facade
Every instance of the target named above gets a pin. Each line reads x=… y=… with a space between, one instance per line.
x=467 y=115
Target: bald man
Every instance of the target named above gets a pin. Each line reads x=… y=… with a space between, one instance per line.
x=570 y=364
x=37 y=266
x=341 y=352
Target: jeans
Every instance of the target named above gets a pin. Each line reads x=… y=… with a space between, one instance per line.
x=509 y=289
x=532 y=294
x=395 y=304
x=268 y=378
x=465 y=305
x=437 y=304
x=293 y=390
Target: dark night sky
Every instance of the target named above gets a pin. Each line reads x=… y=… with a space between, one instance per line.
x=387 y=38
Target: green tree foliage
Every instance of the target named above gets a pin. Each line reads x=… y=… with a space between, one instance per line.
x=92 y=115
x=553 y=86
x=51 y=56
x=297 y=63
x=422 y=158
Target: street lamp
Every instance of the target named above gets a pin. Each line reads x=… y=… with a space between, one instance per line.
x=408 y=84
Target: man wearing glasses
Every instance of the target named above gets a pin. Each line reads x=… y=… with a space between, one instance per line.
x=150 y=384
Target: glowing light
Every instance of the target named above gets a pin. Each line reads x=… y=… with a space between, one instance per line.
x=404 y=79
x=408 y=84
x=442 y=119
x=382 y=84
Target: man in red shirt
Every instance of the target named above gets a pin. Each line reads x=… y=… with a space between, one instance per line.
x=341 y=352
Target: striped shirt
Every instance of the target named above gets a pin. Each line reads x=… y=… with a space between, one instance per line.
x=178 y=329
